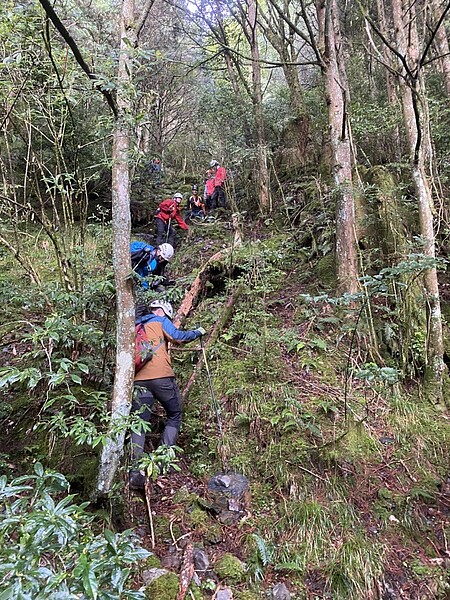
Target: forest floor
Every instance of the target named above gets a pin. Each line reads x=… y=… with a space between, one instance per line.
x=410 y=562
x=349 y=479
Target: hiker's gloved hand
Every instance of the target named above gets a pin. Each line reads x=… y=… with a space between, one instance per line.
x=168 y=282
x=201 y=331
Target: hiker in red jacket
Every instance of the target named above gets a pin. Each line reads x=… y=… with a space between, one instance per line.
x=220 y=176
x=209 y=188
x=169 y=211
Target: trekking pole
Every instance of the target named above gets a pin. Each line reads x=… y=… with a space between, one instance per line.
x=168 y=229
x=208 y=373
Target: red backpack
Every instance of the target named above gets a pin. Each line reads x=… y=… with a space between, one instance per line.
x=144 y=348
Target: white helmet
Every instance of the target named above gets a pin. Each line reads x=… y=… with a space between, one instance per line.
x=166 y=306
x=178 y=196
x=166 y=251
x=213 y=163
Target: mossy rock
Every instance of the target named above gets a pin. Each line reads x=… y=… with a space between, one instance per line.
x=230 y=569
x=163 y=588
x=162 y=528
x=213 y=534
x=197 y=518
x=183 y=495
x=166 y=588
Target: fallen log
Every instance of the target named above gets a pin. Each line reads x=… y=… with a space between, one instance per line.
x=194 y=291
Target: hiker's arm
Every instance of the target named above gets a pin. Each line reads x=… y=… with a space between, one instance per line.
x=176 y=335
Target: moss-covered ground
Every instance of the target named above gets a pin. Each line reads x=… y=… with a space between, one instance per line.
x=348 y=464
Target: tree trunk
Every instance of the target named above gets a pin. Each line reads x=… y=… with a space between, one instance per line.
x=121 y=221
x=442 y=44
x=333 y=68
x=263 y=170
x=414 y=104
x=391 y=88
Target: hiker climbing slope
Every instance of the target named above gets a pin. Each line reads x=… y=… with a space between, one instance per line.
x=148 y=260
x=156 y=380
x=169 y=212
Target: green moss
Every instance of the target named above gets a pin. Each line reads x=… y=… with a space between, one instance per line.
x=197 y=518
x=385 y=494
x=247 y=595
x=214 y=534
x=230 y=569
x=162 y=528
x=183 y=495
x=326 y=270
x=166 y=588
x=358 y=444
x=86 y=471
x=163 y=588
x=152 y=562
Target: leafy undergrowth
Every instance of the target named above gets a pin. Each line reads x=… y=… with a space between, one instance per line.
x=348 y=465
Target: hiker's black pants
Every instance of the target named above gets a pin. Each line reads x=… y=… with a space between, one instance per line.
x=165 y=233
x=166 y=391
x=218 y=198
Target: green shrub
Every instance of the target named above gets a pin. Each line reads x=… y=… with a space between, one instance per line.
x=48 y=547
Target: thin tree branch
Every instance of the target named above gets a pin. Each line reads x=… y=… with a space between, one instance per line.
x=141 y=22
x=77 y=54
x=432 y=36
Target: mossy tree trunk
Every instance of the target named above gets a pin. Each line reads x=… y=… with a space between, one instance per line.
x=250 y=26
x=333 y=68
x=442 y=44
x=415 y=114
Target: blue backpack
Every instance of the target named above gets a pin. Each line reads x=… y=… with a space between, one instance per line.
x=143 y=259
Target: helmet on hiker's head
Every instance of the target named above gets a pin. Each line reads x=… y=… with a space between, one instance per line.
x=195 y=188
x=214 y=163
x=166 y=251
x=178 y=197
x=166 y=306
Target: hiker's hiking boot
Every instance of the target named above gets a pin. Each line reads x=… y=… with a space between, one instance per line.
x=137 y=480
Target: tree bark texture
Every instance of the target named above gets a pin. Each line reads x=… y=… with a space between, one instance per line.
x=442 y=44
x=415 y=113
x=121 y=225
x=263 y=170
x=333 y=68
x=391 y=87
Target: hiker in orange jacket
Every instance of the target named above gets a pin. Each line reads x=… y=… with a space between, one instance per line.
x=156 y=381
x=168 y=211
x=219 y=178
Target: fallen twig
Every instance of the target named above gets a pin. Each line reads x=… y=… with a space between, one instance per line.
x=147 y=493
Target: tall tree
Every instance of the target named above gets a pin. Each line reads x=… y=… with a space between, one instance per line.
x=121 y=221
x=438 y=24
x=250 y=27
x=121 y=225
x=333 y=68
x=411 y=58
x=329 y=52
x=415 y=114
